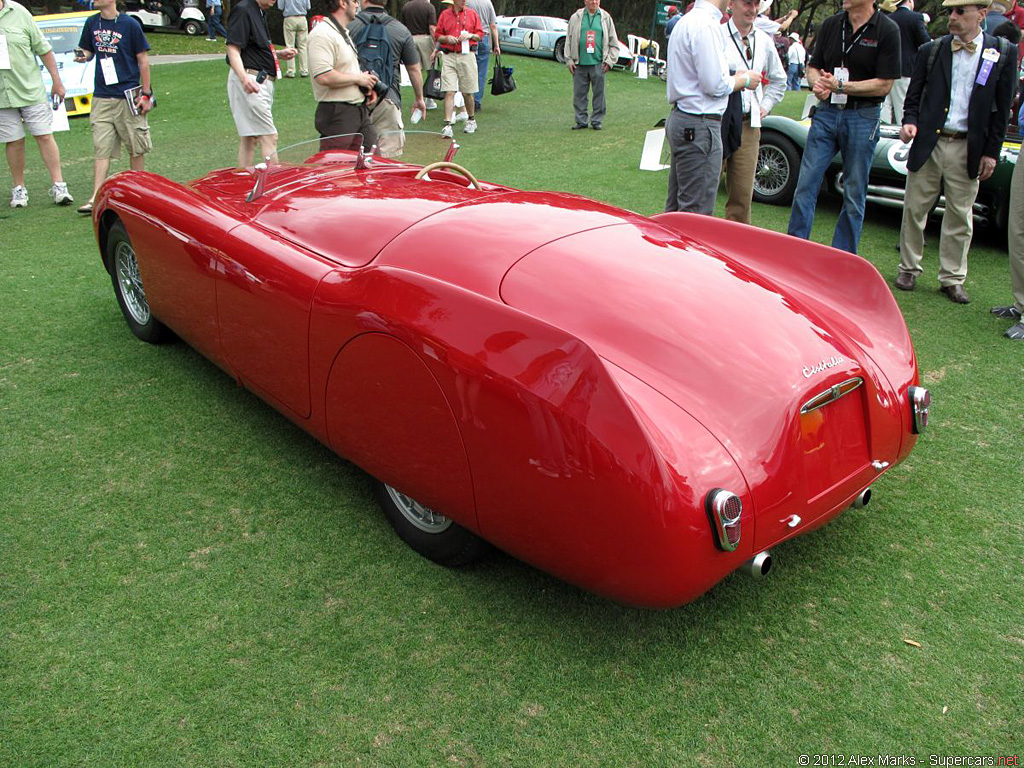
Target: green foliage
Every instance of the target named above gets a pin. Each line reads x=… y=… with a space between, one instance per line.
x=188 y=579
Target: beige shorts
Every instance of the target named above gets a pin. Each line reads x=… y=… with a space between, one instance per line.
x=251 y=111
x=113 y=124
x=458 y=73
x=387 y=119
x=425 y=47
x=38 y=118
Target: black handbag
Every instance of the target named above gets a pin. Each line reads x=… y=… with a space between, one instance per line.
x=432 y=85
x=502 y=82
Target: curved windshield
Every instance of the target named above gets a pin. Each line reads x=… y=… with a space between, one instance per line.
x=352 y=151
x=415 y=147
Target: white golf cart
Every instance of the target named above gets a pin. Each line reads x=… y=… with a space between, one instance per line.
x=169 y=15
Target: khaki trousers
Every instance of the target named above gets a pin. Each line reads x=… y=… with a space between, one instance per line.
x=295 y=37
x=946 y=166
x=739 y=175
x=1015 y=227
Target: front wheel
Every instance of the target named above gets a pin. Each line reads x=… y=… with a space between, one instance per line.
x=778 y=167
x=131 y=295
x=434 y=536
x=560 y=50
x=193 y=28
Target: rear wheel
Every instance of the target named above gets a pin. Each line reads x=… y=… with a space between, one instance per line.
x=560 y=50
x=778 y=166
x=131 y=295
x=434 y=536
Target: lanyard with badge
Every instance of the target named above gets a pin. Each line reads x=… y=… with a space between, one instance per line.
x=842 y=73
x=591 y=32
x=753 y=96
x=107 y=68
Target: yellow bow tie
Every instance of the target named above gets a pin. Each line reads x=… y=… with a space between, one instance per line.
x=960 y=45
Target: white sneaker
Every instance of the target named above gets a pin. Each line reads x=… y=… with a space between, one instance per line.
x=462 y=116
x=446 y=132
x=59 y=193
x=431 y=104
x=19 y=197
x=470 y=126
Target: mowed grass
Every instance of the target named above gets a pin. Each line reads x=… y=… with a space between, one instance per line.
x=188 y=579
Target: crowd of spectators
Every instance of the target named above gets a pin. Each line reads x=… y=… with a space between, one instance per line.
x=727 y=65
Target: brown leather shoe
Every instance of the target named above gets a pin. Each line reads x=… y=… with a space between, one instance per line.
x=905 y=281
x=956 y=294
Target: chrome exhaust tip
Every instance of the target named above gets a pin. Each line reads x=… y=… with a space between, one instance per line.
x=862 y=499
x=759 y=565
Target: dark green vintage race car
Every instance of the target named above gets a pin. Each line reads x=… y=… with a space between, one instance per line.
x=782 y=146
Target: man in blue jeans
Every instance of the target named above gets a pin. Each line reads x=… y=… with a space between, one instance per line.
x=485 y=10
x=856 y=59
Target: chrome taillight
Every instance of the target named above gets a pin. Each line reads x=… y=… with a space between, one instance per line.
x=724 y=509
x=920 y=402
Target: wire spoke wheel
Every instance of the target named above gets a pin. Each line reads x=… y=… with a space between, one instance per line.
x=773 y=171
x=422 y=517
x=130 y=282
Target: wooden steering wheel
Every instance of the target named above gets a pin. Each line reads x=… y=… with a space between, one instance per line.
x=445 y=165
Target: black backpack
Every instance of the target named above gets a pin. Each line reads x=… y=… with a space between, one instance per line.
x=374 y=47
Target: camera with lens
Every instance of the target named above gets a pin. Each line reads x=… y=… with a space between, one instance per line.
x=378 y=87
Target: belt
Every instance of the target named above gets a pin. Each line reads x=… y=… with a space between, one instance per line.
x=951 y=134
x=472 y=49
x=705 y=116
x=855 y=104
x=256 y=72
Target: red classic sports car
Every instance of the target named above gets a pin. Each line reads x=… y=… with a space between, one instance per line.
x=637 y=405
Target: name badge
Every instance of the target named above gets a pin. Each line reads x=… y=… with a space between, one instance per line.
x=591 y=41
x=5 y=56
x=108 y=70
x=755 y=108
x=465 y=46
x=990 y=54
x=843 y=74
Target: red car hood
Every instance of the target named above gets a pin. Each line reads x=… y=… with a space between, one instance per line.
x=725 y=344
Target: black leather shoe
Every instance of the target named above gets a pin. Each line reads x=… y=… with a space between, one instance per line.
x=596 y=126
x=1015 y=332
x=578 y=127
x=956 y=294
x=1010 y=312
x=905 y=281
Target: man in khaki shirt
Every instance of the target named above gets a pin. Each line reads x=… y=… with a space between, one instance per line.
x=340 y=89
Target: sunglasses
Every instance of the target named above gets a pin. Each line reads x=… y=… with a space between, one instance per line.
x=959 y=10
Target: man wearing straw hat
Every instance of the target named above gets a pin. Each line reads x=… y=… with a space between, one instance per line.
x=955 y=114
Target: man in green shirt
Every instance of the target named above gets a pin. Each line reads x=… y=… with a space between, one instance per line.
x=591 y=49
x=23 y=102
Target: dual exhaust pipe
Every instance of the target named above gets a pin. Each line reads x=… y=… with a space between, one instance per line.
x=760 y=564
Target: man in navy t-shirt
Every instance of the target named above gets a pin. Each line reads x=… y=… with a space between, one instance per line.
x=123 y=93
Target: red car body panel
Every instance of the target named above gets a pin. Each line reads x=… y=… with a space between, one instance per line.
x=566 y=379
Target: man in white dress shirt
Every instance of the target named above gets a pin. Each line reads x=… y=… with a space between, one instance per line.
x=699 y=85
x=956 y=111
x=749 y=48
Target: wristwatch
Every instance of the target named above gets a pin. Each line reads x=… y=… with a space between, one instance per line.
x=147 y=94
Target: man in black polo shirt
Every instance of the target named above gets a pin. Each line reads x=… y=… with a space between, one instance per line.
x=251 y=80
x=855 y=61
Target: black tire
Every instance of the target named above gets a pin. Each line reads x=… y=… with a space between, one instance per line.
x=560 y=50
x=192 y=28
x=131 y=296
x=432 y=535
x=778 y=167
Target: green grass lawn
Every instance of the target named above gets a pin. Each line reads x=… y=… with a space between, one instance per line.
x=188 y=579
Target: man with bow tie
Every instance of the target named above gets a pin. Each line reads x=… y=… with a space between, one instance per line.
x=956 y=111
